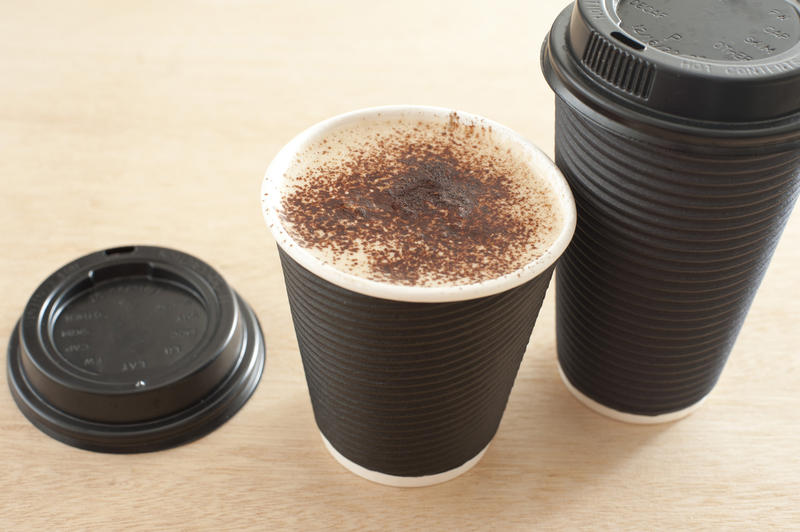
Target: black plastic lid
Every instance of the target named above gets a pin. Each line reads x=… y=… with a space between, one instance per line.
x=134 y=349
x=682 y=61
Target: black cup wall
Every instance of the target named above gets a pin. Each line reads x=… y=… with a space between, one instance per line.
x=670 y=247
x=409 y=389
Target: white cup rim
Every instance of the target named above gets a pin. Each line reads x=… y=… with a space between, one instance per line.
x=542 y=165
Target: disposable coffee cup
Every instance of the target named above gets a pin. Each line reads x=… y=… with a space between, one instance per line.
x=678 y=129
x=409 y=377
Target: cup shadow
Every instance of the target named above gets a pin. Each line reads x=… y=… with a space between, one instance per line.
x=552 y=447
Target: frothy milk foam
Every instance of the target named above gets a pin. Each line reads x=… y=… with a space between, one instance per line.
x=419 y=201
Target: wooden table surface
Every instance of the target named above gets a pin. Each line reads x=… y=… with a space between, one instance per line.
x=152 y=122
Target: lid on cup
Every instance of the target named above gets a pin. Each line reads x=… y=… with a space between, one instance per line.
x=134 y=349
x=723 y=61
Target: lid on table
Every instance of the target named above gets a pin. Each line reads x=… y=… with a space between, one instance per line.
x=134 y=349
x=727 y=61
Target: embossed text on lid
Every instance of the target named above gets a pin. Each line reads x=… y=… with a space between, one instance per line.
x=719 y=30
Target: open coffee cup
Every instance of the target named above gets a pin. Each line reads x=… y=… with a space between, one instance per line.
x=417 y=245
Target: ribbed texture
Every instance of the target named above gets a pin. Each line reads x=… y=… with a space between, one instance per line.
x=409 y=389
x=618 y=67
x=668 y=253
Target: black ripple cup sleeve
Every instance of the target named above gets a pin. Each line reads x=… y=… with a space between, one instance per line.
x=408 y=384
x=682 y=149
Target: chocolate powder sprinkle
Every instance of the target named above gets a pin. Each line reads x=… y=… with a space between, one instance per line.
x=425 y=204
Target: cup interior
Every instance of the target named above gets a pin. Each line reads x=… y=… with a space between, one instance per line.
x=538 y=161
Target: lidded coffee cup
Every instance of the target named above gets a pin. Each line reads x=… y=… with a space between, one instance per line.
x=678 y=129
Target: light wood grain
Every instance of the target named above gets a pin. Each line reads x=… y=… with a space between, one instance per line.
x=153 y=122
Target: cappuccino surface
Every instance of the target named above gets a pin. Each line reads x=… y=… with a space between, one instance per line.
x=419 y=202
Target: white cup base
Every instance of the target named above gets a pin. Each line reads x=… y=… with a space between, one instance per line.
x=401 y=482
x=636 y=419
